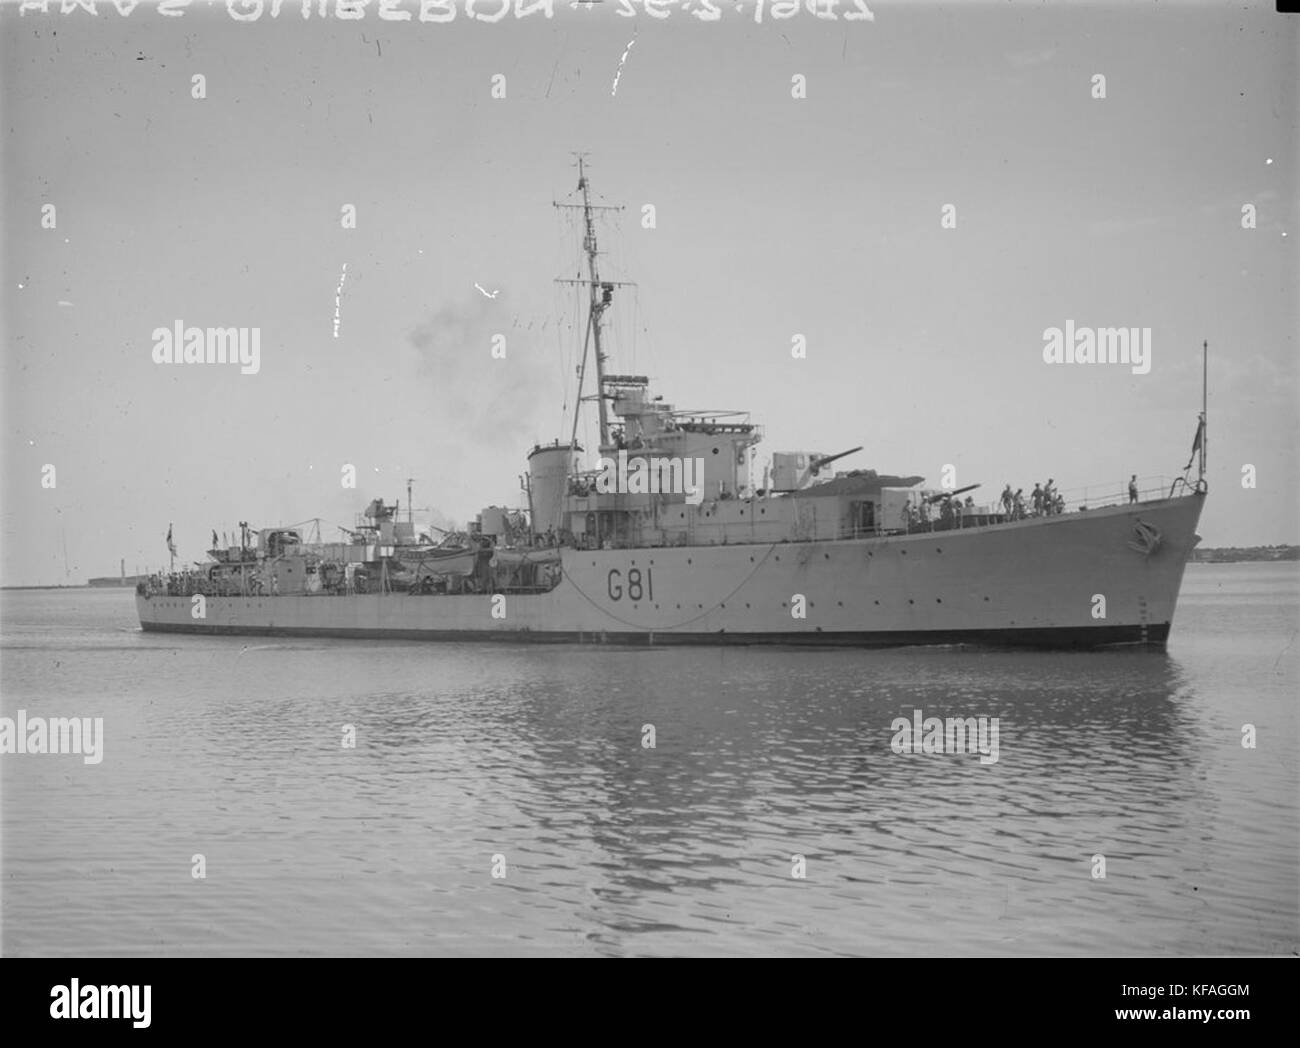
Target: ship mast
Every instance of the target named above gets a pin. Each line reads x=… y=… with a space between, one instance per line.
x=597 y=305
x=602 y=293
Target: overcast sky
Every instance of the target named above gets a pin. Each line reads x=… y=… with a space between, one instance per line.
x=775 y=216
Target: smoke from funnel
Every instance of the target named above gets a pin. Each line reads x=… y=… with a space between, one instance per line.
x=494 y=401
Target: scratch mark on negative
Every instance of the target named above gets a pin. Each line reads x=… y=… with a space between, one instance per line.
x=626 y=52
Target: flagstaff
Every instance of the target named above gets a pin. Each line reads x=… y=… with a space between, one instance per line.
x=1205 y=403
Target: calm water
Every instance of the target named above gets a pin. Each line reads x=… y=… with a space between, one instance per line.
x=231 y=748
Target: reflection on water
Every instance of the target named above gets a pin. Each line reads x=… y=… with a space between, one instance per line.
x=232 y=749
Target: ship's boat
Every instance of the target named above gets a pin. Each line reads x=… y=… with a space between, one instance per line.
x=459 y=562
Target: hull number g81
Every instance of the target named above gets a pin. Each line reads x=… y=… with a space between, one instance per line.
x=639 y=585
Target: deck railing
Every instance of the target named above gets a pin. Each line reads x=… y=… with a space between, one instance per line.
x=1072 y=500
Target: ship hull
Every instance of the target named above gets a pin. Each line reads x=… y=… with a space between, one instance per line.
x=1097 y=578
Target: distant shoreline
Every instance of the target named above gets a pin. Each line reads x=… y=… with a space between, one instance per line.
x=78 y=585
x=1239 y=554
x=75 y=585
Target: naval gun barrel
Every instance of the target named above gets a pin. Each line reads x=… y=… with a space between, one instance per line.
x=940 y=495
x=820 y=462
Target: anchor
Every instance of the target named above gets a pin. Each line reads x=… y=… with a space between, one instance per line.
x=1147 y=538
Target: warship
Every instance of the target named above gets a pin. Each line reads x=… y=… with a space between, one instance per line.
x=676 y=537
